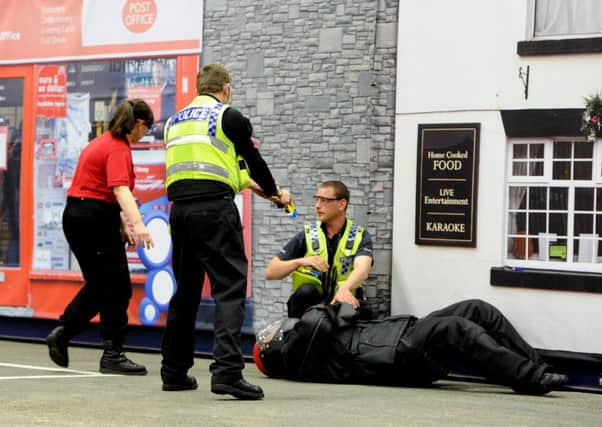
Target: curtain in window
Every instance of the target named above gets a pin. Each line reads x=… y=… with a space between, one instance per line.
x=516 y=198
x=566 y=17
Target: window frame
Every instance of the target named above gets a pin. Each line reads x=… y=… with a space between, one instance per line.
x=530 y=27
x=547 y=181
x=555 y=44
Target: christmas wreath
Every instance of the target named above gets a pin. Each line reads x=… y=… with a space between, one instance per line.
x=592 y=116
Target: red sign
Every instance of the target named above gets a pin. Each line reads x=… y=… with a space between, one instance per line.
x=51 y=91
x=139 y=16
x=150 y=183
x=37 y=31
x=151 y=94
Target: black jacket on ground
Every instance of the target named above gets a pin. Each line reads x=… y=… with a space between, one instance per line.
x=328 y=344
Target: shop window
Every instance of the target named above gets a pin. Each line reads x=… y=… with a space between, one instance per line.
x=11 y=129
x=94 y=89
x=554 y=205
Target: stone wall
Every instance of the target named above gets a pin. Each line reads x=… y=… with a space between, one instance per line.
x=317 y=80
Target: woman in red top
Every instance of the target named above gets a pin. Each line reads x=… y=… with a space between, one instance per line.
x=94 y=222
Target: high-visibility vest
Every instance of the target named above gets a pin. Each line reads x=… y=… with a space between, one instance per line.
x=316 y=242
x=197 y=148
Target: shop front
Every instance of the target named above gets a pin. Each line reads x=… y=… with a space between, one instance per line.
x=63 y=71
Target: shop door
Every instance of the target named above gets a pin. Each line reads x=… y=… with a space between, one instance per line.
x=15 y=137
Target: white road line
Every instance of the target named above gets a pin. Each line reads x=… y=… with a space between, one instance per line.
x=48 y=368
x=44 y=368
x=29 y=377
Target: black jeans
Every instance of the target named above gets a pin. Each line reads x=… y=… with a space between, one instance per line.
x=207 y=238
x=476 y=333
x=92 y=231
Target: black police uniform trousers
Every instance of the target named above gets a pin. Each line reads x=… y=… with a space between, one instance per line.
x=207 y=238
x=92 y=229
x=476 y=333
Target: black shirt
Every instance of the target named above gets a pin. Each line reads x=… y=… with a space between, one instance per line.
x=239 y=130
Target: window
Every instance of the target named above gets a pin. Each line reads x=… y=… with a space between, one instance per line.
x=567 y=18
x=562 y=27
x=94 y=89
x=554 y=205
x=11 y=129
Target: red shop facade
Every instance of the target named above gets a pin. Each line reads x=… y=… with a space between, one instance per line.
x=64 y=67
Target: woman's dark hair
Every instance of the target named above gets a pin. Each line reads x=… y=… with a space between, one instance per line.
x=126 y=115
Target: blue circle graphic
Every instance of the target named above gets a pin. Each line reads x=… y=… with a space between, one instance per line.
x=157 y=223
x=159 y=287
x=148 y=312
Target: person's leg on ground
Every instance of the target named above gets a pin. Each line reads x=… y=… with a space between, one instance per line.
x=494 y=322
x=453 y=336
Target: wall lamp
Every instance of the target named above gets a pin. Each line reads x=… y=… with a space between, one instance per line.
x=523 y=74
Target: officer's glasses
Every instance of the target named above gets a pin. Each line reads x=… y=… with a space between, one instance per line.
x=325 y=199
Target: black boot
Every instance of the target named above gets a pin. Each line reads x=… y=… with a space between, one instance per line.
x=177 y=380
x=58 y=341
x=241 y=389
x=113 y=361
x=548 y=382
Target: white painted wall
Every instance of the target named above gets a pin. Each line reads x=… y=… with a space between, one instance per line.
x=457 y=62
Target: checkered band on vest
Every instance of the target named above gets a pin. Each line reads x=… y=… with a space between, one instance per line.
x=345 y=264
x=313 y=234
x=213 y=119
x=351 y=238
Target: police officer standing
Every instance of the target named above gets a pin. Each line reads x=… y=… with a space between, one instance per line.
x=206 y=144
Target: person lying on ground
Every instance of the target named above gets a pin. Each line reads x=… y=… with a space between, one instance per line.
x=329 y=344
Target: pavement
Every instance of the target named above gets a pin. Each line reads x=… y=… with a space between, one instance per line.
x=35 y=392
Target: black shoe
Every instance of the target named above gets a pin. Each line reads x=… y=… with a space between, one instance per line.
x=117 y=363
x=239 y=389
x=551 y=382
x=186 y=383
x=57 y=346
x=546 y=384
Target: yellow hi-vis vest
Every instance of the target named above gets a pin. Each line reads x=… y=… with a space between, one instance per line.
x=315 y=240
x=197 y=148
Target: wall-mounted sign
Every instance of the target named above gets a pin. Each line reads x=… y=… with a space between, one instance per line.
x=51 y=91
x=446 y=184
x=49 y=31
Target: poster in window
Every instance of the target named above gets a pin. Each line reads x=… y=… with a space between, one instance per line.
x=3 y=148
x=446 y=184
x=51 y=91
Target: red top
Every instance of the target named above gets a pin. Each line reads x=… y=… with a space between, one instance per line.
x=106 y=162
